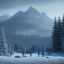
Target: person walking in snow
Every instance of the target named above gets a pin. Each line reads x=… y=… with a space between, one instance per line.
x=42 y=53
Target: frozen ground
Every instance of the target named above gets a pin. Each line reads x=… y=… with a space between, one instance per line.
x=32 y=60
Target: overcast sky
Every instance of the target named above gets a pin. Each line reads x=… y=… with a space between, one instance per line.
x=51 y=7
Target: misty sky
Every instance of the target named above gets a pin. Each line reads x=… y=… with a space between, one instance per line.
x=51 y=7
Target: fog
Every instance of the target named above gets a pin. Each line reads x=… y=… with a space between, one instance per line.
x=51 y=7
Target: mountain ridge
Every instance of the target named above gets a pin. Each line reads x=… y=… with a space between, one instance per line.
x=28 y=28
x=4 y=17
x=30 y=21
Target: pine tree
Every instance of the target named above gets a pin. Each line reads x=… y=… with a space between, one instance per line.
x=33 y=49
x=63 y=26
x=63 y=33
x=59 y=36
x=3 y=43
x=56 y=36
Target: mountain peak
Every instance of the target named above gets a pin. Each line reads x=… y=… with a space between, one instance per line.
x=32 y=10
x=19 y=13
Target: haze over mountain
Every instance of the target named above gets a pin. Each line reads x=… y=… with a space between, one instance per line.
x=4 y=17
x=29 y=27
x=30 y=22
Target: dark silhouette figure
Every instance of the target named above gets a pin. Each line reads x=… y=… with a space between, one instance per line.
x=11 y=54
x=38 y=53
x=23 y=53
x=30 y=53
x=42 y=53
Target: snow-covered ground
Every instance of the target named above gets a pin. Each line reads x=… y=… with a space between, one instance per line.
x=31 y=60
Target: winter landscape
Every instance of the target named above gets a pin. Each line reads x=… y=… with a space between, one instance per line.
x=31 y=32
x=31 y=60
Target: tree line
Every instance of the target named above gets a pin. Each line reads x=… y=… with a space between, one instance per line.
x=7 y=48
x=58 y=35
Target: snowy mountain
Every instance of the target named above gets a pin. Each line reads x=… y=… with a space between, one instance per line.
x=29 y=27
x=29 y=22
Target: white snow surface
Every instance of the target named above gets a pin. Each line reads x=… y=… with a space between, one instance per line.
x=31 y=60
